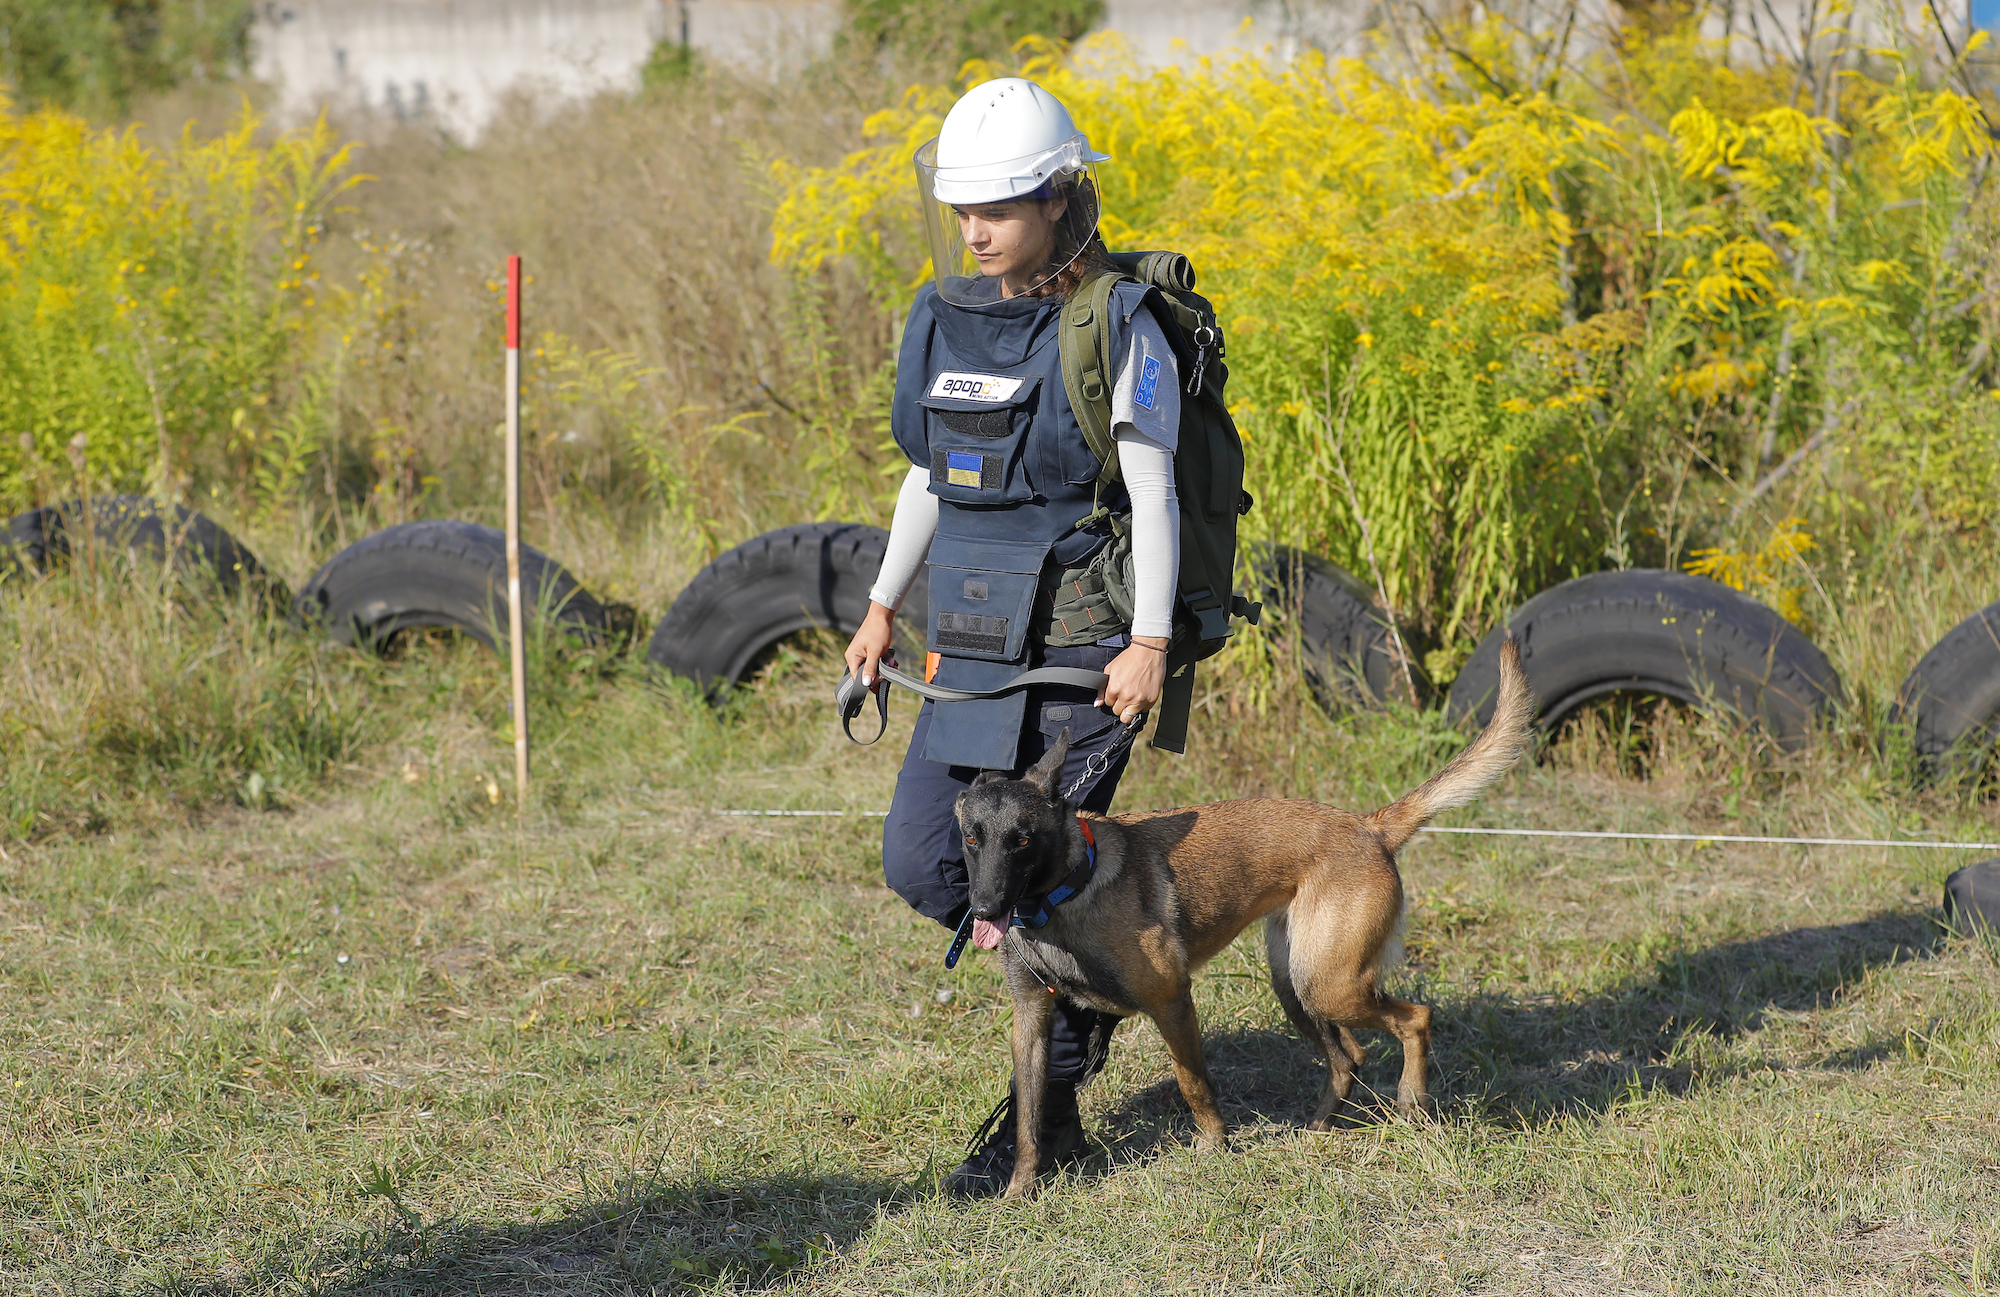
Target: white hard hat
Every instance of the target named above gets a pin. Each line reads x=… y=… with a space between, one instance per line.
x=1006 y=138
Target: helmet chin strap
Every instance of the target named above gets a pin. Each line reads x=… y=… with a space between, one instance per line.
x=1053 y=275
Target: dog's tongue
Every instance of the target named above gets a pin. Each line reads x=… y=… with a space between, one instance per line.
x=986 y=935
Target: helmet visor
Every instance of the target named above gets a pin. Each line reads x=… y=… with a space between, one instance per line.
x=1023 y=232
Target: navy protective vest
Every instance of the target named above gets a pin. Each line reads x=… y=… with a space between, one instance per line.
x=980 y=403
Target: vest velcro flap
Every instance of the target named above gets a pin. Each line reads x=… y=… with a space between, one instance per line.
x=968 y=391
x=976 y=426
x=983 y=596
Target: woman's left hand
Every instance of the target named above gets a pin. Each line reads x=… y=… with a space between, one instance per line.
x=1138 y=675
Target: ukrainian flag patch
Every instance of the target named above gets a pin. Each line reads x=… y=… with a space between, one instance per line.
x=962 y=468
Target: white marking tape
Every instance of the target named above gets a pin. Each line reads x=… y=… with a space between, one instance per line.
x=813 y=814
x=1726 y=837
x=1562 y=833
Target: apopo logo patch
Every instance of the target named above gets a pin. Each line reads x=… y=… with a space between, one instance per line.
x=989 y=388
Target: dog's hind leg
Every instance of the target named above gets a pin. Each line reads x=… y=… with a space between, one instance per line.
x=1336 y=1043
x=1350 y=1046
x=1182 y=1031
x=1339 y=940
x=1410 y=1024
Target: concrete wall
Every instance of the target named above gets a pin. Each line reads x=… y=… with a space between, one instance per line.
x=453 y=60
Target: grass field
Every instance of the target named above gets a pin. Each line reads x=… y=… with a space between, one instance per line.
x=380 y=1038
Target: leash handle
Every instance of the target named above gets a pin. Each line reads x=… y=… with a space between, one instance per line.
x=1074 y=677
x=850 y=696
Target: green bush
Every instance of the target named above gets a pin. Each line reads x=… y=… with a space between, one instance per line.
x=164 y=326
x=94 y=55
x=923 y=33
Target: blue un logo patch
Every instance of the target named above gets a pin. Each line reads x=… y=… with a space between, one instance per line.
x=1149 y=383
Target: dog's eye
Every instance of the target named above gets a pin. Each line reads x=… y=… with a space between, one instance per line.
x=972 y=842
x=1021 y=839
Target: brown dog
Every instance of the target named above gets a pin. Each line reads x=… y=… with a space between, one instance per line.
x=1166 y=892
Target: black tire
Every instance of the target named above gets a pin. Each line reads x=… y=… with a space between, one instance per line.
x=738 y=608
x=1655 y=632
x=1349 y=654
x=1951 y=700
x=24 y=550
x=444 y=575
x=140 y=530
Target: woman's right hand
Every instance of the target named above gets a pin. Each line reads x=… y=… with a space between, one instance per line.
x=872 y=645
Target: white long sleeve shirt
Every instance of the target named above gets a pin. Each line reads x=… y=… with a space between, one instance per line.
x=1147 y=436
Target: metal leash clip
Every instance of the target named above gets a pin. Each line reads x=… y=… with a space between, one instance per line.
x=1100 y=761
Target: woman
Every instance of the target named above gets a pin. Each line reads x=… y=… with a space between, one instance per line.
x=1003 y=499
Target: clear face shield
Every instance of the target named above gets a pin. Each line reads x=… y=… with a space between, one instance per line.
x=997 y=236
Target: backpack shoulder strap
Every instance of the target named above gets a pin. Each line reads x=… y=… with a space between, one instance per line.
x=1087 y=367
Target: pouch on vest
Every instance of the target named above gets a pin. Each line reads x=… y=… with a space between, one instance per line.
x=1088 y=601
x=976 y=429
x=983 y=597
x=984 y=734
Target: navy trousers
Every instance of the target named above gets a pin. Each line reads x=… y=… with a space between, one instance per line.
x=923 y=858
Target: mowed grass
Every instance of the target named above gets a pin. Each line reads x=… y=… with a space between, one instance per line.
x=384 y=1038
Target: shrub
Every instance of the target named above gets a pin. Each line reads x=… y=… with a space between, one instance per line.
x=162 y=314
x=924 y=33
x=1492 y=325
x=92 y=55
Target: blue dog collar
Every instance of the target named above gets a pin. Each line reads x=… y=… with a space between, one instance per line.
x=1078 y=879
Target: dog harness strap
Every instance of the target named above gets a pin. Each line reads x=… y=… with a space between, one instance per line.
x=1075 y=882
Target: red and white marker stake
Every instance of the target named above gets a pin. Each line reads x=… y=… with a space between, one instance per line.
x=516 y=644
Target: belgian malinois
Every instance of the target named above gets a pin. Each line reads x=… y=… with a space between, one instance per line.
x=1167 y=891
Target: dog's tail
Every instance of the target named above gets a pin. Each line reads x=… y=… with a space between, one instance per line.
x=1474 y=770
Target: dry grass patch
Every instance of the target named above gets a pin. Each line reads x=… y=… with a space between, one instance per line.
x=387 y=1042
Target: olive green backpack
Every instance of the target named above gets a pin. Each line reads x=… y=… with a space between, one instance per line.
x=1208 y=471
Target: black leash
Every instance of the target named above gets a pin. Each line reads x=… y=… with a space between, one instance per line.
x=850 y=695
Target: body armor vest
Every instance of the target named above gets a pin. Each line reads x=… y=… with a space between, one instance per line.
x=980 y=403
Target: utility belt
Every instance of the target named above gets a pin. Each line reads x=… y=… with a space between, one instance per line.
x=991 y=600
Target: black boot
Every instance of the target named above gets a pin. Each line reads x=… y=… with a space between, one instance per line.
x=991 y=1164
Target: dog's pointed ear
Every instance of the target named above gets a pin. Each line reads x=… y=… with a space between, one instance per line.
x=988 y=777
x=1044 y=772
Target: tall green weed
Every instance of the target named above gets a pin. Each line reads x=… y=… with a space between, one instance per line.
x=127 y=688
